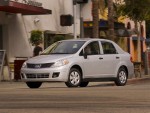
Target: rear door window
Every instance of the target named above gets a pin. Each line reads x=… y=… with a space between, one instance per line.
x=108 y=48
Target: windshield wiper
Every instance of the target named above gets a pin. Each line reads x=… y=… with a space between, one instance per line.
x=44 y=54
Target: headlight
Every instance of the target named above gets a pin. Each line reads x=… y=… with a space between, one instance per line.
x=24 y=65
x=60 y=63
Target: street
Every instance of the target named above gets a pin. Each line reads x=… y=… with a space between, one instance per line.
x=98 y=97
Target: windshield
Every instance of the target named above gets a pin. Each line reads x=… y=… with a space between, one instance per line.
x=64 y=47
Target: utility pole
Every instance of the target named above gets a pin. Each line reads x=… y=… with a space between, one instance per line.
x=75 y=2
x=75 y=20
x=81 y=23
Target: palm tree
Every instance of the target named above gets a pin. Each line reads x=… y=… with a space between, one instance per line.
x=95 y=12
x=111 y=19
x=95 y=8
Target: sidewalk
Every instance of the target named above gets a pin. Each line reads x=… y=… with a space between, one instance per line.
x=144 y=78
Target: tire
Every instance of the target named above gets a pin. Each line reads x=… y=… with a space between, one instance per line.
x=121 y=77
x=74 y=78
x=83 y=84
x=34 y=84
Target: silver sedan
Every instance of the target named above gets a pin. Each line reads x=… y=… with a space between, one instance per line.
x=78 y=62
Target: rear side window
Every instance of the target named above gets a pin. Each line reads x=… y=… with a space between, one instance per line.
x=108 y=48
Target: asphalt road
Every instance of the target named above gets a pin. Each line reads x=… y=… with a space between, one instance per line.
x=98 y=97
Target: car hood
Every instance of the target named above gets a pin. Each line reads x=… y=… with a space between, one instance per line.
x=47 y=58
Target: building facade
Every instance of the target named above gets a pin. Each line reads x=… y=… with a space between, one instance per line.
x=17 y=21
x=19 y=17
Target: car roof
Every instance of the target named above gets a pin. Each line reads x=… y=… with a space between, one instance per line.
x=119 y=49
x=87 y=39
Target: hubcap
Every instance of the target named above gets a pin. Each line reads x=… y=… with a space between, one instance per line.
x=122 y=77
x=74 y=78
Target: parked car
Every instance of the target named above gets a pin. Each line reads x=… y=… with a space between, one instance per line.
x=78 y=62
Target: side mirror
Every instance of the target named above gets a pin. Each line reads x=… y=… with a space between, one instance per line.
x=85 y=55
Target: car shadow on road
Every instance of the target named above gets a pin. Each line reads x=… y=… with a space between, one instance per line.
x=102 y=85
x=90 y=85
x=63 y=86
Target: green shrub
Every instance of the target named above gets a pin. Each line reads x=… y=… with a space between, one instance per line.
x=58 y=38
x=36 y=37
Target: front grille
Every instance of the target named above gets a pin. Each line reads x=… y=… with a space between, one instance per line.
x=37 y=75
x=35 y=66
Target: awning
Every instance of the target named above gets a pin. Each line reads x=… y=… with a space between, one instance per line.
x=119 y=28
x=136 y=38
x=16 y=7
x=117 y=25
x=104 y=24
x=122 y=32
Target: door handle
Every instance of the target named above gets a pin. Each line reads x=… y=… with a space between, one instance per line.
x=100 y=58
x=117 y=57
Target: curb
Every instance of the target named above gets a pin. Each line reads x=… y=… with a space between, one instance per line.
x=138 y=80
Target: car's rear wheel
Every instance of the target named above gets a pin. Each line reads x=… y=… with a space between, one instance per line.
x=83 y=84
x=121 y=77
x=74 y=78
x=34 y=84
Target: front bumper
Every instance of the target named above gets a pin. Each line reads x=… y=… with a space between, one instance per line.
x=45 y=74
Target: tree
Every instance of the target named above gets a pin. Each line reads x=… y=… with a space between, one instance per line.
x=109 y=4
x=111 y=19
x=138 y=11
x=95 y=13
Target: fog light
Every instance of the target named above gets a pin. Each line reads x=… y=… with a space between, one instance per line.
x=55 y=75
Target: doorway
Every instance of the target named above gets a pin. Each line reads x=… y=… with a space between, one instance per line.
x=48 y=39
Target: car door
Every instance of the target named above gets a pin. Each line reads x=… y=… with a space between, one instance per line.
x=110 y=59
x=91 y=64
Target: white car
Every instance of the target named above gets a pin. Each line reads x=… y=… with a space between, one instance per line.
x=78 y=62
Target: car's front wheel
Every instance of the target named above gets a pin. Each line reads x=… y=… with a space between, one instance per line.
x=121 y=77
x=34 y=84
x=74 y=78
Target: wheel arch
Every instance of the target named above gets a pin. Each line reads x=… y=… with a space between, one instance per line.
x=126 y=69
x=79 y=68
